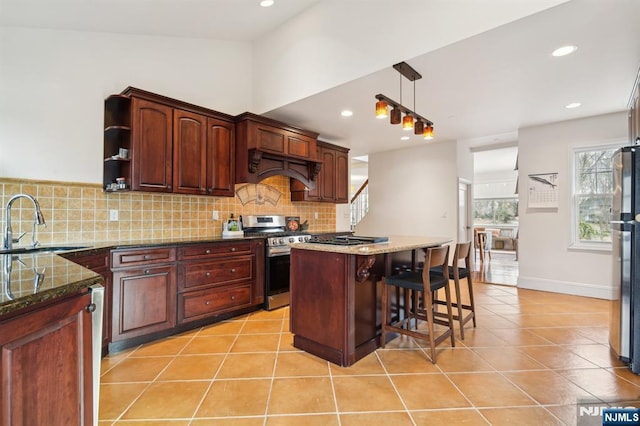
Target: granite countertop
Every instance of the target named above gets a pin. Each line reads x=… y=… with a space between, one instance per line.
x=30 y=278
x=394 y=244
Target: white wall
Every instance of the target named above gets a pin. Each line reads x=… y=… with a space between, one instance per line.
x=413 y=191
x=495 y=184
x=53 y=85
x=546 y=260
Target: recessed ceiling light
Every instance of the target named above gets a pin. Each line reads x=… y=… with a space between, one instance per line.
x=267 y=3
x=346 y=113
x=404 y=138
x=564 y=51
x=572 y=105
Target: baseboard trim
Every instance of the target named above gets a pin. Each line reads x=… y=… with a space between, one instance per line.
x=566 y=287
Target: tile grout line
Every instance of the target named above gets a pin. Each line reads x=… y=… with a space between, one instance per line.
x=273 y=372
x=384 y=367
x=155 y=378
x=333 y=391
x=213 y=379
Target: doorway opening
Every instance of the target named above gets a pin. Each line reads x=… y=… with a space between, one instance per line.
x=495 y=215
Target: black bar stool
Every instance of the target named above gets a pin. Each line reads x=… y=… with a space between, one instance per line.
x=461 y=251
x=421 y=286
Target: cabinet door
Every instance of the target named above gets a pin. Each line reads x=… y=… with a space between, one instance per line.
x=98 y=262
x=328 y=172
x=220 y=156
x=635 y=114
x=144 y=301
x=152 y=146
x=189 y=152
x=342 y=177
x=47 y=367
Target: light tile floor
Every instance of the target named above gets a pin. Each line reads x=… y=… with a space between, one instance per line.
x=500 y=268
x=531 y=357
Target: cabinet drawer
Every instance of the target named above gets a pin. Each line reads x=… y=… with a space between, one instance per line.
x=196 y=305
x=235 y=269
x=213 y=250
x=124 y=258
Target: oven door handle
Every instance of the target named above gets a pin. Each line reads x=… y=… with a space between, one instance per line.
x=275 y=252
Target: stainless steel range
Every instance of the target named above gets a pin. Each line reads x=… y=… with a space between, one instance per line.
x=280 y=233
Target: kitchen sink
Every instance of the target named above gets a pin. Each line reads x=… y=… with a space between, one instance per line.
x=41 y=249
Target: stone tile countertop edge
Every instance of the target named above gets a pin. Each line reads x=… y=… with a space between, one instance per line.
x=60 y=278
x=63 y=277
x=395 y=243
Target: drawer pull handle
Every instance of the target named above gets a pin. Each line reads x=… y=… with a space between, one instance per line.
x=207 y=251
x=91 y=307
x=233 y=269
x=146 y=271
x=207 y=302
x=233 y=249
x=208 y=274
x=233 y=298
x=146 y=256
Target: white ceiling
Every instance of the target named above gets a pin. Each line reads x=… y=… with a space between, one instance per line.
x=482 y=89
x=241 y=20
x=486 y=87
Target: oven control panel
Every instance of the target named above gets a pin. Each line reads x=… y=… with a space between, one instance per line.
x=286 y=240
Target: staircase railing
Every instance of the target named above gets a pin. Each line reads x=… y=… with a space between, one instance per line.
x=360 y=204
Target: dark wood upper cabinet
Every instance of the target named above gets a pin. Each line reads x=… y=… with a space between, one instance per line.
x=332 y=183
x=152 y=148
x=173 y=146
x=220 y=155
x=342 y=176
x=276 y=138
x=189 y=152
x=203 y=155
x=266 y=147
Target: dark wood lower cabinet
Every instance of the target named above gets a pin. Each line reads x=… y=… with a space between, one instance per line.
x=46 y=365
x=334 y=312
x=98 y=261
x=144 y=301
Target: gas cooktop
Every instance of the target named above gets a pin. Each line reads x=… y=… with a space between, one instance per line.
x=348 y=240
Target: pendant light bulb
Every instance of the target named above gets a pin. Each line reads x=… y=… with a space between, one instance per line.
x=381 y=110
x=407 y=122
x=428 y=132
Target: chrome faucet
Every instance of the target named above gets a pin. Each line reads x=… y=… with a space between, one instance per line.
x=38 y=220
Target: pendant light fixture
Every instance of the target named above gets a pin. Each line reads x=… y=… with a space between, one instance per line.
x=381 y=109
x=428 y=132
x=407 y=122
x=411 y=120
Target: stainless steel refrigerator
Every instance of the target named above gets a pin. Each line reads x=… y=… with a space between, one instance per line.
x=624 y=328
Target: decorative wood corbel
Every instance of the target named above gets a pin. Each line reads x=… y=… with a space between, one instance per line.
x=314 y=169
x=255 y=157
x=364 y=264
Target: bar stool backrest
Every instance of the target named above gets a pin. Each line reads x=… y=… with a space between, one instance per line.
x=434 y=257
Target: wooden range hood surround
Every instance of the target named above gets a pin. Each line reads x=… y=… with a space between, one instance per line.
x=266 y=147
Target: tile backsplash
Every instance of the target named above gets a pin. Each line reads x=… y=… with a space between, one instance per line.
x=81 y=213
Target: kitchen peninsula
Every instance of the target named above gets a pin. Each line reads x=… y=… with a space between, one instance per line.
x=336 y=292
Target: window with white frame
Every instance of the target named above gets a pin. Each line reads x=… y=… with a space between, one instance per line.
x=592 y=195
